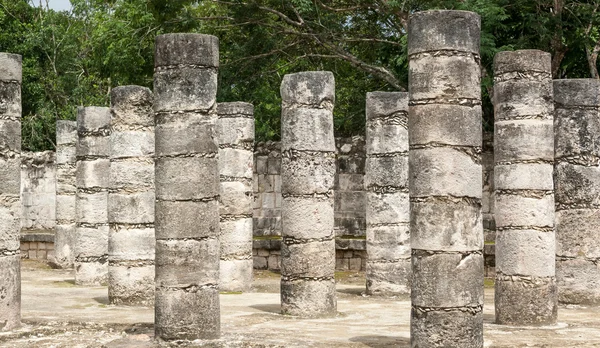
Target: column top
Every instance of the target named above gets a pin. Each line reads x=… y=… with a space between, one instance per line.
x=577 y=92
x=66 y=132
x=92 y=118
x=380 y=104
x=522 y=60
x=309 y=88
x=11 y=67
x=437 y=30
x=186 y=49
x=132 y=105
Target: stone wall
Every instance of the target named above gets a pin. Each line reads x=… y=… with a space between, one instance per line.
x=38 y=191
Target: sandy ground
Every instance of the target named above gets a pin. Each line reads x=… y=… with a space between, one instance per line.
x=56 y=313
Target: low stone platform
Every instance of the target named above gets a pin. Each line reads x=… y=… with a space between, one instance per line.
x=56 y=313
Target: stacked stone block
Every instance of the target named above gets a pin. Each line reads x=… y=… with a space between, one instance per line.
x=187 y=187
x=64 y=242
x=577 y=185
x=307 y=179
x=445 y=179
x=525 y=290
x=489 y=224
x=350 y=195
x=386 y=181
x=235 y=130
x=91 y=199
x=131 y=239
x=267 y=190
x=10 y=187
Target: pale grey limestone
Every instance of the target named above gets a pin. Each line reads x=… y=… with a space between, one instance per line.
x=307 y=179
x=187 y=187
x=10 y=186
x=131 y=240
x=445 y=179
x=235 y=130
x=525 y=289
x=388 y=267
x=577 y=184
x=91 y=199
x=66 y=214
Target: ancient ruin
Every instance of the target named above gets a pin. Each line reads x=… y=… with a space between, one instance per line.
x=235 y=131
x=66 y=214
x=10 y=185
x=131 y=240
x=524 y=206
x=187 y=187
x=307 y=179
x=91 y=199
x=445 y=179
x=386 y=180
x=576 y=181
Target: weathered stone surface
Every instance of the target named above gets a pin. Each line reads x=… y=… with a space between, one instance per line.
x=388 y=243
x=446 y=224
x=235 y=198
x=10 y=277
x=445 y=179
x=577 y=233
x=387 y=172
x=235 y=163
x=66 y=214
x=92 y=180
x=308 y=177
x=387 y=208
x=187 y=187
x=447 y=280
x=578 y=281
x=444 y=171
x=137 y=208
x=524 y=197
x=446 y=329
x=530 y=301
x=525 y=252
x=576 y=92
x=308 y=298
x=129 y=285
x=577 y=186
x=131 y=244
x=388 y=278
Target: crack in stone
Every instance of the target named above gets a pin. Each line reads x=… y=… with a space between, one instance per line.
x=187 y=239
x=424 y=253
x=391 y=224
x=248 y=146
x=542 y=116
x=118 y=226
x=472 y=151
x=317 y=195
x=86 y=259
x=234 y=116
x=9 y=118
x=65 y=222
x=175 y=116
x=294 y=154
x=288 y=240
x=132 y=190
x=246 y=181
x=91 y=190
x=524 y=279
x=90 y=158
x=465 y=309
x=558 y=106
x=192 y=288
x=529 y=75
x=475 y=201
x=130 y=263
x=147 y=159
x=469 y=102
x=98 y=132
x=90 y=224
x=388 y=261
x=526 y=227
x=197 y=200
x=190 y=155
x=594 y=260
x=398 y=118
x=387 y=154
x=532 y=161
x=115 y=128
x=325 y=104
x=236 y=257
x=559 y=206
x=386 y=189
x=7 y=82
x=66 y=165
x=528 y=193
x=8 y=252
x=8 y=154
x=162 y=68
x=234 y=217
x=584 y=160
x=292 y=278
x=445 y=53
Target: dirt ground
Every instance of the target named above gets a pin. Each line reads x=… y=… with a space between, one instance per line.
x=56 y=313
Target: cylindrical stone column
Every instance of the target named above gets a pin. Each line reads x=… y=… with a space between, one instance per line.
x=187 y=187
x=66 y=215
x=131 y=240
x=386 y=182
x=577 y=185
x=525 y=291
x=10 y=190
x=307 y=179
x=445 y=179
x=91 y=200
x=235 y=129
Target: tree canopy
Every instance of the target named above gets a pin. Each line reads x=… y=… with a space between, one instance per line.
x=75 y=58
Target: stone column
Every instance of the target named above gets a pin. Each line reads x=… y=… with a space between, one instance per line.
x=577 y=183
x=445 y=179
x=386 y=182
x=307 y=179
x=525 y=292
x=131 y=198
x=66 y=215
x=10 y=190
x=235 y=129
x=187 y=187
x=93 y=166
